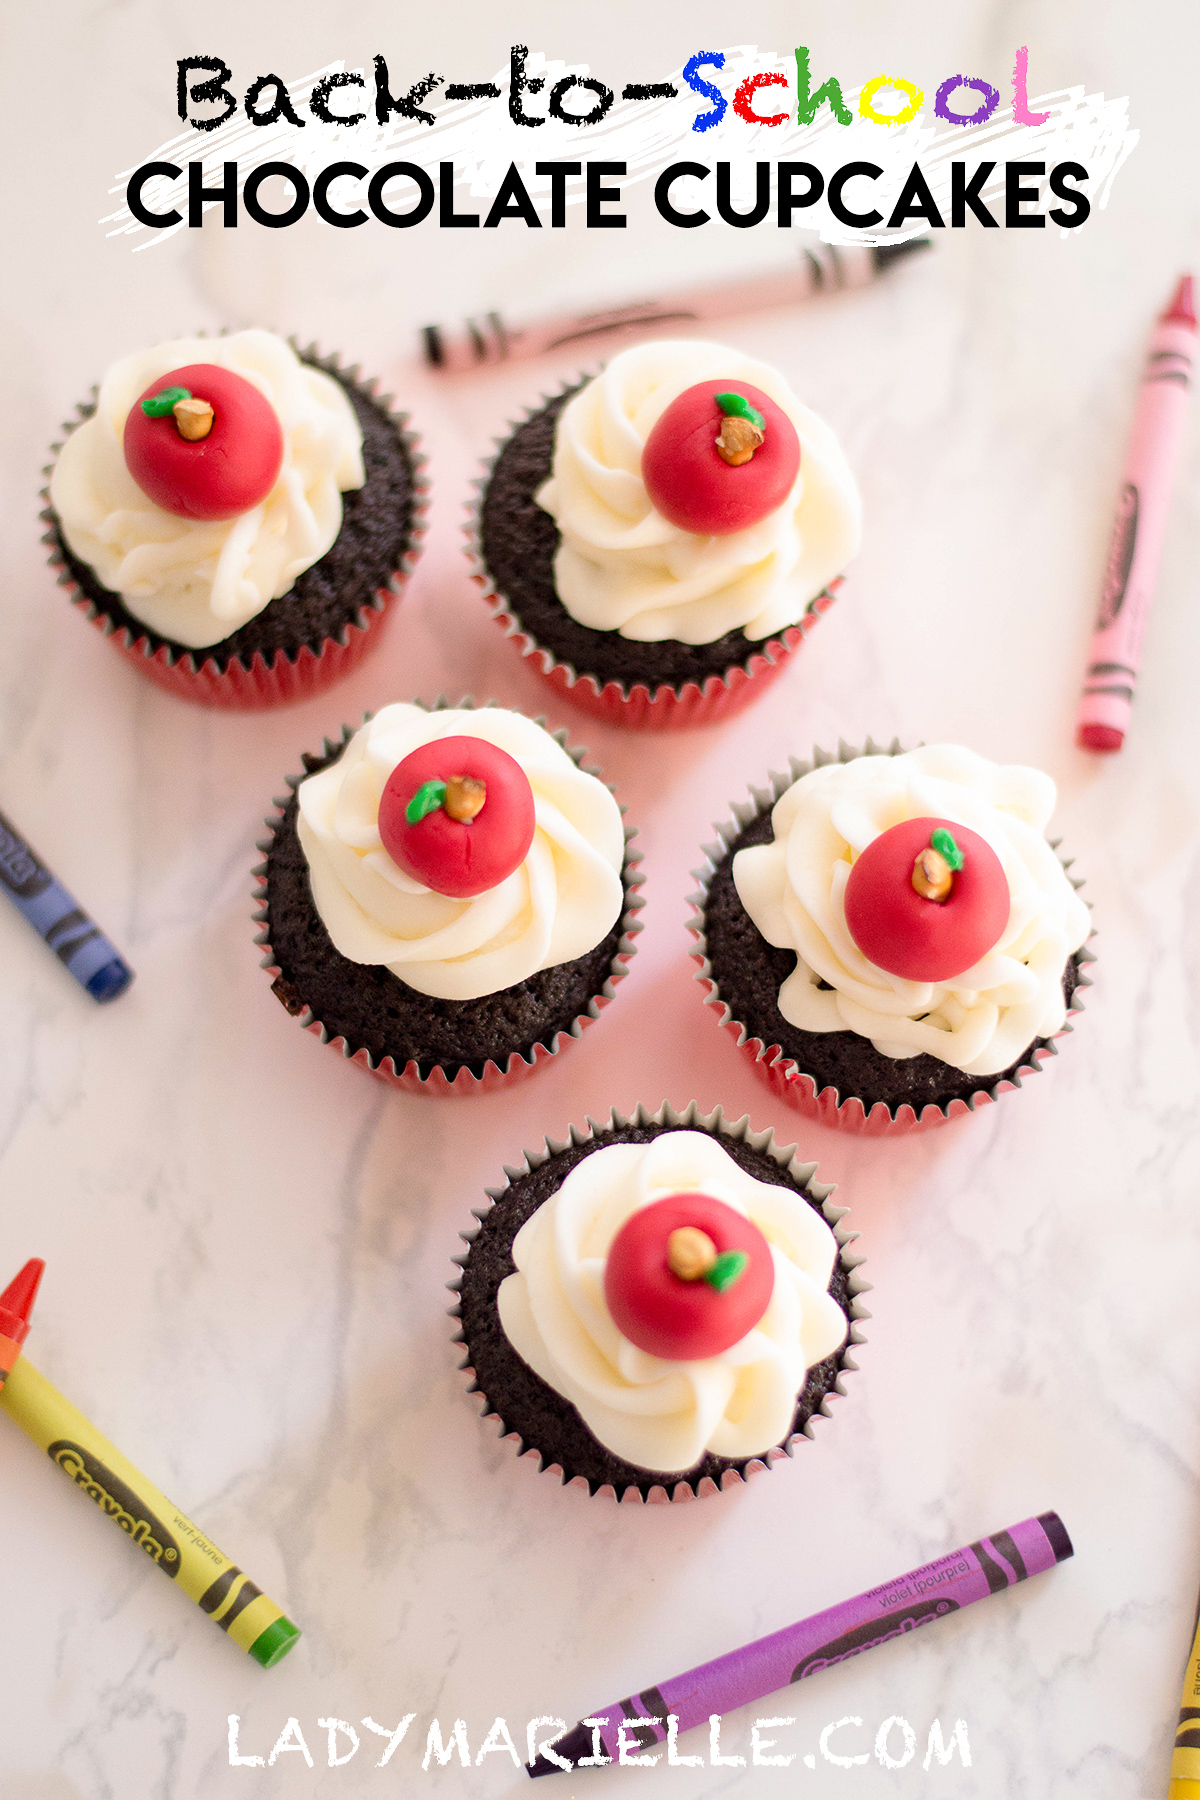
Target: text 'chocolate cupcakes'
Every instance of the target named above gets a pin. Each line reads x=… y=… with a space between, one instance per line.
x=538 y=1418
x=421 y=1038
x=839 y=1075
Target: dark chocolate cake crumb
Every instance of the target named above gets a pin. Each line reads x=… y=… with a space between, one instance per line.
x=373 y=1009
x=519 y=542
x=526 y=1404
x=749 y=973
x=377 y=527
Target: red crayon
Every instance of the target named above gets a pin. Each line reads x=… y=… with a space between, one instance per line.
x=1138 y=531
x=16 y=1305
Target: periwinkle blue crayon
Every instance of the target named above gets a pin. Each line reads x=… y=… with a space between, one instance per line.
x=58 y=917
x=899 y=1607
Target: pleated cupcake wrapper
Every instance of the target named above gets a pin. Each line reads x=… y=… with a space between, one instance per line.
x=655 y=1490
x=781 y=1073
x=665 y=705
x=245 y=686
x=516 y=1066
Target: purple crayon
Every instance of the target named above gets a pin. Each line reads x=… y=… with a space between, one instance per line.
x=934 y=1591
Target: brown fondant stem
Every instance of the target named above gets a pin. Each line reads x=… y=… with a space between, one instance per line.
x=738 y=441
x=932 y=876
x=193 y=418
x=690 y=1252
x=464 y=797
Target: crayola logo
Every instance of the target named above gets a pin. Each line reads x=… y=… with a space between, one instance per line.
x=20 y=870
x=119 y=1501
x=1120 y=557
x=865 y=1637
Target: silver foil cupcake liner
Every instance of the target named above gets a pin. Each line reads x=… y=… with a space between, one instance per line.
x=251 y=685
x=782 y=1073
x=654 y=1490
x=494 y=1075
x=665 y=705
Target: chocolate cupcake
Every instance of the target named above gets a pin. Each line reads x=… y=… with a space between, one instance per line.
x=864 y=995
x=660 y=1306
x=660 y=538
x=448 y=896
x=236 y=518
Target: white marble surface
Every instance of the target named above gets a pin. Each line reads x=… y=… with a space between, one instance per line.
x=247 y=1241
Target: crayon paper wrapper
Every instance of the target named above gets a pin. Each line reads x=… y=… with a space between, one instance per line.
x=256 y=684
x=183 y=1553
x=1135 y=545
x=436 y=1082
x=641 y=707
x=780 y=1072
x=1185 y=1758
x=773 y=1664
x=653 y=1490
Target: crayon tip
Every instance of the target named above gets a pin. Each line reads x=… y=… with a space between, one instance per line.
x=1099 y=737
x=570 y=1747
x=272 y=1645
x=1182 y=310
x=21 y=1292
x=110 y=980
x=1058 y=1535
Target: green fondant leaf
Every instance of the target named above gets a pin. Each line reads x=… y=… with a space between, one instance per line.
x=737 y=406
x=725 y=1271
x=427 y=799
x=945 y=846
x=159 y=405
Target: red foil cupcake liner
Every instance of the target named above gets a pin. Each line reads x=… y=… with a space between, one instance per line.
x=251 y=686
x=516 y=1067
x=666 y=707
x=781 y=1073
x=241 y=686
x=663 y=707
x=651 y=1492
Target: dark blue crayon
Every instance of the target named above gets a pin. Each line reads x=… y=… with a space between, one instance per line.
x=58 y=917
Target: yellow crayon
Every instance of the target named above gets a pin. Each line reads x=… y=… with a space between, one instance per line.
x=154 y=1523
x=1185 y=1763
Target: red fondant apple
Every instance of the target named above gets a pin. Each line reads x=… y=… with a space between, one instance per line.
x=217 y=476
x=677 y=1318
x=457 y=815
x=923 y=939
x=690 y=482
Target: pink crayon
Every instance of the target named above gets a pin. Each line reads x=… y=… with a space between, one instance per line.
x=821 y=268
x=1138 y=530
x=629 y=1729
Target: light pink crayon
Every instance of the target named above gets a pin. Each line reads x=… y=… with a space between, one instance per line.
x=821 y=268
x=1138 y=530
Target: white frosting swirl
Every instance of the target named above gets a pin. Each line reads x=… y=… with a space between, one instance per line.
x=654 y=1413
x=197 y=580
x=794 y=888
x=557 y=905
x=623 y=567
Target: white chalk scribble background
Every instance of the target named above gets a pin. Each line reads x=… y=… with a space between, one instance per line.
x=481 y=140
